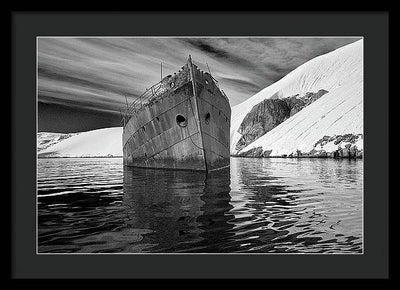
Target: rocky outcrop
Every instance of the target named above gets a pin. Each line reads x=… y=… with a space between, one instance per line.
x=262 y=118
x=296 y=103
x=254 y=152
x=337 y=146
x=268 y=114
x=341 y=146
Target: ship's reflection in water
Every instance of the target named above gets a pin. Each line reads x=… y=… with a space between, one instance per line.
x=258 y=205
x=185 y=211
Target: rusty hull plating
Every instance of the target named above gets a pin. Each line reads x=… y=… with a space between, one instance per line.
x=180 y=123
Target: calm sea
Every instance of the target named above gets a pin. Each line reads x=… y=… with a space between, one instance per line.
x=96 y=205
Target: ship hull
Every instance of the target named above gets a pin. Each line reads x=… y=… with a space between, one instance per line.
x=188 y=129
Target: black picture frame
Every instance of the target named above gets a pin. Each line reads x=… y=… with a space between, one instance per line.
x=373 y=26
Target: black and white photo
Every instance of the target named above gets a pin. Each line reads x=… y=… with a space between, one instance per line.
x=197 y=145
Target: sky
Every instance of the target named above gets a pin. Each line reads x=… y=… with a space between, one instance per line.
x=83 y=82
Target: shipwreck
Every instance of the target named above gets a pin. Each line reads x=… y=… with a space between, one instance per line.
x=180 y=123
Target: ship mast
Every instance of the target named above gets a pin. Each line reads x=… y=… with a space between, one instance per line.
x=190 y=62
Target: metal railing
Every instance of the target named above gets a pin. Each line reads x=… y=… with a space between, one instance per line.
x=149 y=95
x=155 y=92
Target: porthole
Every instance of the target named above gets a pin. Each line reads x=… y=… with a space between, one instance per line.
x=206 y=82
x=172 y=84
x=208 y=116
x=181 y=121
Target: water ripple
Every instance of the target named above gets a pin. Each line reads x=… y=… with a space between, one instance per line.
x=95 y=205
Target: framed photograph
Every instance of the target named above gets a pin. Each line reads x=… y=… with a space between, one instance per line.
x=227 y=147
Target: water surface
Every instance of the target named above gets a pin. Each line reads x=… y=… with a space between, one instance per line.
x=277 y=205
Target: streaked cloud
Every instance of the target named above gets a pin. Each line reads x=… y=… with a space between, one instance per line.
x=97 y=73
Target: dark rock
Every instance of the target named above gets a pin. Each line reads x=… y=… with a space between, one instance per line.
x=337 y=139
x=312 y=152
x=269 y=113
x=331 y=154
x=296 y=104
x=267 y=153
x=352 y=151
x=262 y=118
x=344 y=152
x=254 y=152
x=322 y=153
x=336 y=154
x=317 y=153
x=324 y=140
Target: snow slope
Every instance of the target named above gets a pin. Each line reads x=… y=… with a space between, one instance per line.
x=96 y=143
x=45 y=139
x=338 y=112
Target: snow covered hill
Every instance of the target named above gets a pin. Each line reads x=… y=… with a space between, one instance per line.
x=333 y=121
x=46 y=139
x=96 y=143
